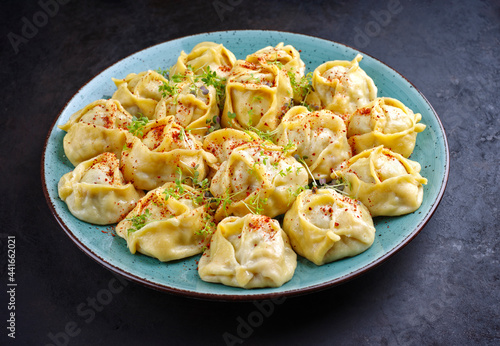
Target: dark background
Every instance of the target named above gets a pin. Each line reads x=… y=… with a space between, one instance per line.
x=443 y=288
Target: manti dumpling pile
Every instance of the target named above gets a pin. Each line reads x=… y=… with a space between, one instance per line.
x=249 y=161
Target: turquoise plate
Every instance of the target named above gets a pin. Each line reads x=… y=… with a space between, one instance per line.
x=181 y=277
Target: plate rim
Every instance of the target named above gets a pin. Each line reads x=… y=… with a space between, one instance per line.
x=250 y=297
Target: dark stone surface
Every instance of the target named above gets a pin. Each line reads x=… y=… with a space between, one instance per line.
x=443 y=288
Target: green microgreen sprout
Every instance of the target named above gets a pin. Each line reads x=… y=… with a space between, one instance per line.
x=169 y=88
x=193 y=89
x=256 y=204
x=214 y=123
x=303 y=162
x=136 y=127
x=184 y=137
x=250 y=117
x=177 y=78
x=295 y=193
x=276 y=62
x=264 y=157
x=201 y=187
x=254 y=79
x=253 y=170
x=231 y=116
x=199 y=196
x=257 y=98
x=301 y=88
x=339 y=185
x=209 y=226
x=139 y=221
x=164 y=73
x=210 y=78
x=289 y=147
x=227 y=200
x=265 y=135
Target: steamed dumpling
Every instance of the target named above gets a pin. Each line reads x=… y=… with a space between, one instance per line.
x=249 y=252
x=194 y=106
x=283 y=56
x=169 y=223
x=325 y=226
x=386 y=182
x=258 y=177
x=99 y=127
x=221 y=143
x=341 y=86
x=96 y=192
x=319 y=137
x=139 y=93
x=164 y=149
x=387 y=122
x=203 y=56
x=286 y=58
x=256 y=96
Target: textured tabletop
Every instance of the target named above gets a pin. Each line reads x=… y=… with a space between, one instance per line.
x=442 y=288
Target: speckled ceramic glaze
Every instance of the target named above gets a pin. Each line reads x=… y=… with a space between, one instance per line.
x=181 y=276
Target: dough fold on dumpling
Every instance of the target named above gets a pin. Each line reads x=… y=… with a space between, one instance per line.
x=96 y=192
x=320 y=139
x=221 y=143
x=283 y=56
x=194 y=106
x=139 y=92
x=248 y=252
x=385 y=182
x=99 y=127
x=325 y=226
x=256 y=96
x=287 y=58
x=387 y=122
x=341 y=86
x=169 y=223
x=203 y=56
x=164 y=150
x=257 y=177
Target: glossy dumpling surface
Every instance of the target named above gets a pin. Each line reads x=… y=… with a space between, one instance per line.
x=249 y=252
x=203 y=56
x=387 y=122
x=139 y=93
x=386 y=182
x=99 y=127
x=96 y=192
x=221 y=143
x=258 y=177
x=325 y=226
x=341 y=86
x=194 y=106
x=320 y=138
x=256 y=96
x=169 y=223
x=163 y=150
x=283 y=56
